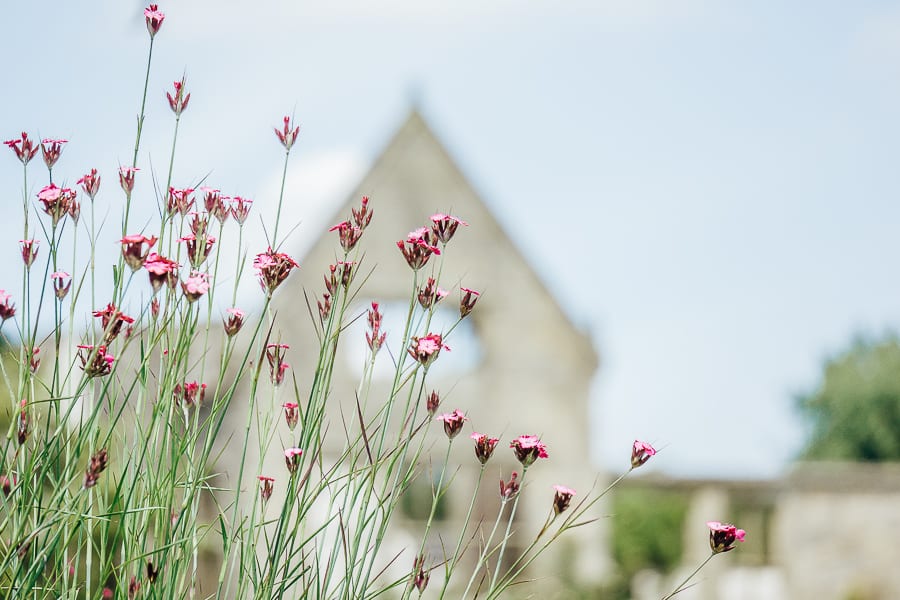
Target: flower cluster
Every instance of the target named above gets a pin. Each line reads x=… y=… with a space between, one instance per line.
x=426 y=349
x=272 y=268
x=58 y=202
x=528 y=448
x=24 y=147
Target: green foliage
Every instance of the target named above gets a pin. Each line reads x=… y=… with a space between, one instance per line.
x=855 y=410
x=647 y=529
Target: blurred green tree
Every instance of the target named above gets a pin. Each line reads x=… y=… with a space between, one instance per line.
x=854 y=412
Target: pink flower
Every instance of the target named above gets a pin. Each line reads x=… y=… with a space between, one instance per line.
x=444 y=226
x=272 y=268
x=154 y=19
x=432 y=402
x=528 y=448
x=198 y=247
x=453 y=422
x=51 y=149
x=292 y=459
x=214 y=203
x=291 y=414
x=126 y=178
x=179 y=201
x=416 y=249
x=133 y=249
x=161 y=270
x=484 y=446
x=234 y=322
x=641 y=453
x=267 y=485
x=421 y=575
x=29 y=251
x=95 y=363
x=179 y=101
x=90 y=183
x=112 y=320
x=375 y=337
x=509 y=489
x=426 y=349
x=723 y=535
x=277 y=364
x=430 y=294
x=7 y=309
x=24 y=148
x=195 y=286
x=190 y=394
x=56 y=201
x=348 y=234
x=287 y=136
x=467 y=302
x=240 y=208
x=362 y=216
x=98 y=464
x=62 y=281
x=562 y=499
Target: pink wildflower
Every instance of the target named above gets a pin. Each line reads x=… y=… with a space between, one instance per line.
x=179 y=201
x=418 y=248
x=432 y=402
x=29 y=251
x=484 y=446
x=7 y=483
x=467 y=302
x=161 y=270
x=62 y=281
x=291 y=414
x=240 y=208
x=362 y=216
x=348 y=234
x=562 y=499
x=375 y=337
x=723 y=535
x=195 y=286
x=95 y=363
x=272 y=268
x=292 y=459
x=444 y=226
x=509 y=489
x=214 y=203
x=277 y=364
x=426 y=349
x=528 y=448
x=287 y=136
x=641 y=453
x=7 y=308
x=24 y=148
x=56 y=201
x=189 y=394
x=90 y=183
x=453 y=422
x=198 y=247
x=267 y=486
x=98 y=464
x=112 y=320
x=133 y=249
x=421 y=575
x=430 y=294
x=234 y=322
x=126 y=178
x=154 y=19
x=51 y=149
x=179 y=101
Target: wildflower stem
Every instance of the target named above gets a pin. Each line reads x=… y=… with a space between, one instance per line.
x=454 y=559
x=487 y=544
x=682 y=585
x=512 y=516
x=287 y=155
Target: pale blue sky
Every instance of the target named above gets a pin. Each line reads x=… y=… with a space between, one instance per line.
x=710 y=187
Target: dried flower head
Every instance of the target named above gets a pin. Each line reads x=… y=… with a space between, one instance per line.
x=291 y=414
x=432 y=402
x=234 y=321
x=528 y=448
x=484 y=446
x=430 y=294
x=362 y=216
x=641 y=453
x=722 y=536
x=7 y=308
x=374 y=336
x=266 y=486
x=97 y=465
x=421 y=575
x=467 y=301
x=277 y=365
x=453 y=422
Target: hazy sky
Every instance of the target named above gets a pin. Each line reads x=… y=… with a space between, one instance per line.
x=709 y=186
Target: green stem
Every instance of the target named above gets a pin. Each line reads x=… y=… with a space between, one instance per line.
x=689 y=577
